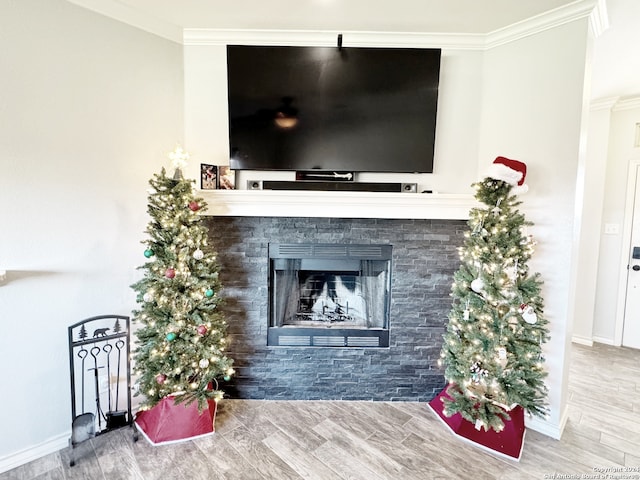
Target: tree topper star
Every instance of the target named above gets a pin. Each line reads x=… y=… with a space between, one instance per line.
x=179 y=158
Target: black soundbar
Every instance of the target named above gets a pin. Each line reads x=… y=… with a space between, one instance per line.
x=338 y=186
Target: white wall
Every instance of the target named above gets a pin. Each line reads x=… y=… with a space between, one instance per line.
x=594 y=173
x=624 y=115
x=615 y=78
x=533 y=105
x=89 y=107
x=205 y=104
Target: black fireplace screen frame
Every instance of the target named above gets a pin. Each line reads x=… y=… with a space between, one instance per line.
x=361 y=271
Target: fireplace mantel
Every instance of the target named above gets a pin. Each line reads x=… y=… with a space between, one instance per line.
x=282 y=203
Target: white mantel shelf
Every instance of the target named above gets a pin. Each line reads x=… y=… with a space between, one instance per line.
x=288 y=203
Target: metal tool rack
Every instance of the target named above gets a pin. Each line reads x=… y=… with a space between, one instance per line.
x=99 y=363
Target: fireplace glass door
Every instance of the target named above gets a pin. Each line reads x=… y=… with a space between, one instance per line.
x=339 y=291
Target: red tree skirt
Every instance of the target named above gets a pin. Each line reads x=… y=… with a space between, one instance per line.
x=168 y=422
x=507 y=443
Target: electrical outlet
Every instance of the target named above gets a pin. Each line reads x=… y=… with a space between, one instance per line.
x=611 y=229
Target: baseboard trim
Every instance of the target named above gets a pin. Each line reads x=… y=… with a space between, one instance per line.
x=16 y=459
x=606 y=341
x=582 y=340
x=546 y=428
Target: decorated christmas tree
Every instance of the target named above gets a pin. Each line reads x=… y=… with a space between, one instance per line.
x=181 y=333
x=492 y=348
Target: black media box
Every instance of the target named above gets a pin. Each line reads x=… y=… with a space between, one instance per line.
x=339 y=186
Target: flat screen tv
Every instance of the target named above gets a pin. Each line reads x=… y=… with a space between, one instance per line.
x=332 y=109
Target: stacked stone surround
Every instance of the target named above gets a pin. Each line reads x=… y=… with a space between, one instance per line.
x=425 y=256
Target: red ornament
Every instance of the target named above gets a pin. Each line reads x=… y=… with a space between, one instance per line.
x=170 y=273
x=194 y=206
x=202 y=329
x=161 y=378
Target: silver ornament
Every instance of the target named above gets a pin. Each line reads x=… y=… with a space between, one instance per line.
x=477 y=285
x=502 y=357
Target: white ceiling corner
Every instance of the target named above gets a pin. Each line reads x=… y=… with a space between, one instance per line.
x=486 y=24
x=545 y=21
x=126 y=13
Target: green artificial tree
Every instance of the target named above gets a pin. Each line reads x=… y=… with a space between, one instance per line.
x=492 y=347
x=182 y=334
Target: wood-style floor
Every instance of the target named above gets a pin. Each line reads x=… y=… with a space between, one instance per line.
x=328 y=440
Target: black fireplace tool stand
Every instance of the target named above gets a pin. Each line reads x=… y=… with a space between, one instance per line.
x=100 y=369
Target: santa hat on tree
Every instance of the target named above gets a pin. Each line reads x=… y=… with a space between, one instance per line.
x=510 y=171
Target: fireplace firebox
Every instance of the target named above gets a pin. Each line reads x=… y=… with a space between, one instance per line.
x=329 y=295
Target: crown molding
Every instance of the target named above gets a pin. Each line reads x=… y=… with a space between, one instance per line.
x=615 y=104
x=202 y=36
x=599 y=18
x=603 y=104
x=595 y=10
x=627 y=103
x=546 y=21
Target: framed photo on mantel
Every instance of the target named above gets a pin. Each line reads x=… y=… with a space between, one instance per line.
x=214 y=177
x=208 y=176
x=226 y=178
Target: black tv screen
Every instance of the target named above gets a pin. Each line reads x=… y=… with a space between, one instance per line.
x=332 y=109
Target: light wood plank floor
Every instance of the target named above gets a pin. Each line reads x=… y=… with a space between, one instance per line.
x=329 y=440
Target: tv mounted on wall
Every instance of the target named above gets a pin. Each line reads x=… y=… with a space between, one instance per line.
x=332 y=109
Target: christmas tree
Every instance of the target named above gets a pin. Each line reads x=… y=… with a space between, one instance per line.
x=181 y=334
x=493 y=344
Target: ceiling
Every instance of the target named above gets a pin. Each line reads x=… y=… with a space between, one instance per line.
x=616 y=65
x=433 y=16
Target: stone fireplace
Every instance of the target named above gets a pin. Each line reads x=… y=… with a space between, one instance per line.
x=399 y=363
x=329 y=295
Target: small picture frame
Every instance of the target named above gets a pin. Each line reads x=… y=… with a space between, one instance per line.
x=226 y=178
x=208 y=177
